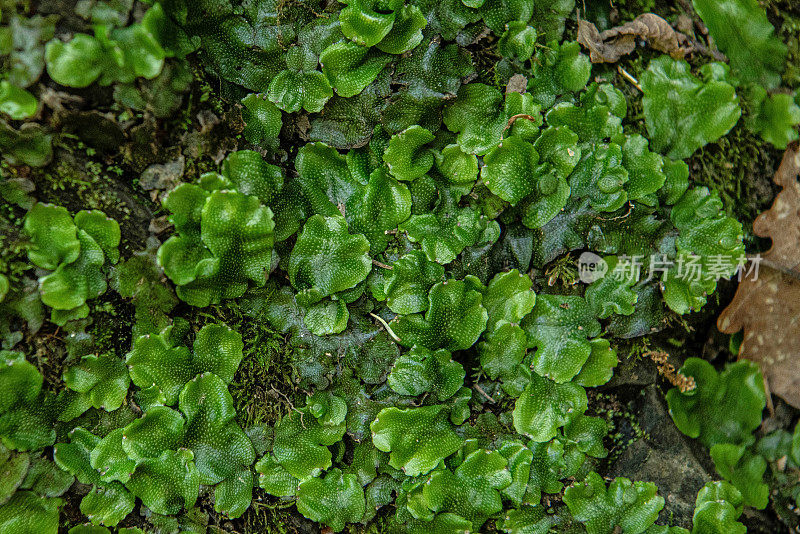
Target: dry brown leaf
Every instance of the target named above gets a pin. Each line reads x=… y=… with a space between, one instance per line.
x=768 y=308
x=589 y=37
x=612 y=44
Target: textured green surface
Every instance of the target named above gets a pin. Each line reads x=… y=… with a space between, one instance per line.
x=417 y=438
x=420 y=370
x=756 y=54
x=290 y=251
x=559 y=328
x=631 y=506
x=334 y=499
x=707 y=108
x=545 y=406
x=725 y=408
x=454 y=319
x=225 y=238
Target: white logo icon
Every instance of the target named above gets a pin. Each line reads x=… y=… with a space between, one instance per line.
x=591 y=267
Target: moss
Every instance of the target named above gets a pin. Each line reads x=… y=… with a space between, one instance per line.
x=623 y=427
x=112 y=320
x=262 y=388
x=204 y=92
x=740 y=166
x=630 y=9
x=13 y=260
x=563 y=272
x=785 y=16
x=267 y=516
x=263 y=371
x=82 y=178
x=485 y=59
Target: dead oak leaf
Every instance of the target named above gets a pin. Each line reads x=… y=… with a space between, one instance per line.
x=612 y=44
x=768 y=308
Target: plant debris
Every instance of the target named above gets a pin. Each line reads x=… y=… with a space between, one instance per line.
x=768 y=307
x=610 y=45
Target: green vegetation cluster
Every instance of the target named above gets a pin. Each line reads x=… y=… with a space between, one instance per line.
x=398 y=213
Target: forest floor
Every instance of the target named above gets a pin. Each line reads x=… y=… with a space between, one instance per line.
x=98 y=163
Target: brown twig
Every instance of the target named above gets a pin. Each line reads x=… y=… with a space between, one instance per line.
x=630 y=209
x=289 y=404
x=421 y=401
x=628 y=76
x=513 y=119
x=480 y=390
x=387 y=327
x=713 y=52
x=382 y=265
